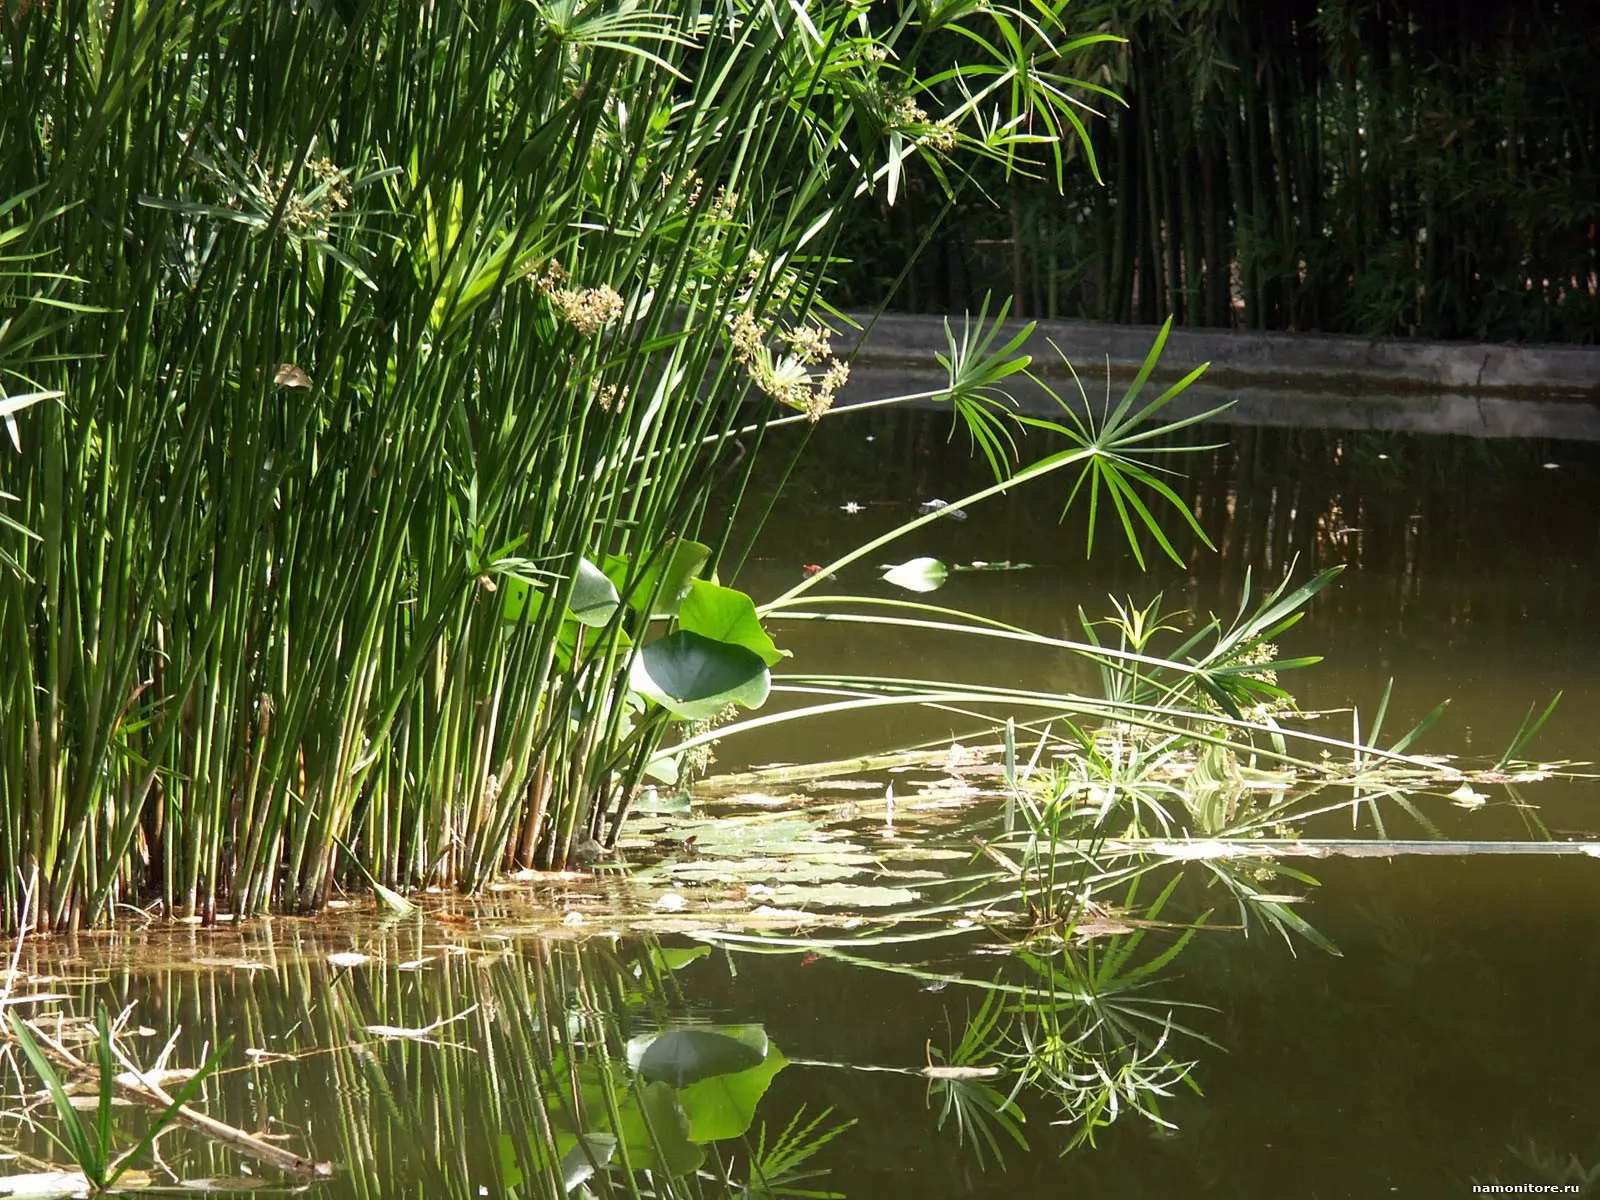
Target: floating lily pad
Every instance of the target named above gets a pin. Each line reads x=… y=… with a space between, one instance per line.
x=744 y=870
x=45 y=1185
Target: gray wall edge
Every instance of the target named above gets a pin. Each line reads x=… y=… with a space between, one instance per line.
x=1257 y=359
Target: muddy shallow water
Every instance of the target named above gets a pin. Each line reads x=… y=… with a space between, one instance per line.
x=1451 y=1042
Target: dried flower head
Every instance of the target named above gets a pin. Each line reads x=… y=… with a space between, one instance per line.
x=724 y=204
x=809 y=343
x=609 y=396
x=588 y=310
x=746 y=336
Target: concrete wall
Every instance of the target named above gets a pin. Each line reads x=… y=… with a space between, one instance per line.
x=1313 y=380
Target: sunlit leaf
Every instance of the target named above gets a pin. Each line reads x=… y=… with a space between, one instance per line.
x=666 y=581
x=594 y=597
x=695 y=678
x=726 y=614
x=578 y=1164
x=918 y=575
x=724 y=1106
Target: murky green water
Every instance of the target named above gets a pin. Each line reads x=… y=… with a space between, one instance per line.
x=1452 y=1042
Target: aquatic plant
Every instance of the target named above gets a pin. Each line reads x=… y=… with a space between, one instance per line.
x=91 y=1144
x=377 y=363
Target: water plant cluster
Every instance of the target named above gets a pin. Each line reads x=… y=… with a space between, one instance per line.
x=366 y=370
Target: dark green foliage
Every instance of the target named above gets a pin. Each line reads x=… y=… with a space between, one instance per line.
x=1381 y=167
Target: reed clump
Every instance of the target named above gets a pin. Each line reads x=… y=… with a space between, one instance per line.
x=362 y=364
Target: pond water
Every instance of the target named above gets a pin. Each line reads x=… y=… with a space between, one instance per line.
x=1450 y=1043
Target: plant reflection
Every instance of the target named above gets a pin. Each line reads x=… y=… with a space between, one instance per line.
x=475 y=1066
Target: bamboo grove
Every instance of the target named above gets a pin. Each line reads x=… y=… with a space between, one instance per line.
x=365 y=369
x=1379 y=167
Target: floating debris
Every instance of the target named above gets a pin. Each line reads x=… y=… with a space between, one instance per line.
x=979 y=564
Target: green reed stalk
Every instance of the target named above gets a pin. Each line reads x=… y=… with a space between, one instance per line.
x=384 y=320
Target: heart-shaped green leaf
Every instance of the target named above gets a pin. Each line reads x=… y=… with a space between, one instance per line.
x=724 y=1106
x=518 y=596
x=661 y=1132
x=726 y=615
x=590 y=1150
x=695 y=678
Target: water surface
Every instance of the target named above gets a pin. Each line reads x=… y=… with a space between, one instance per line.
x=1451 y=1042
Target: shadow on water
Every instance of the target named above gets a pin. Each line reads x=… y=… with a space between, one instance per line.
x=1046 y=1006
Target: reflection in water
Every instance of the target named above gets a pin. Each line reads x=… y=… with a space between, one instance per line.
x=433 y=1065
x=1451 y=1044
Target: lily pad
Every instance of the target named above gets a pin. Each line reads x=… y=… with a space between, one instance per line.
x=779 y=870
x=842 y=895
x=979 y=564
x=719 y=1073
x=724 y=1106
x=727 y=615
x=668 y=581
x=518 y=596
x=695 y=678
x=45 y=1185
x=674 y=958
x=661 y=1122
x=590 y=1150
